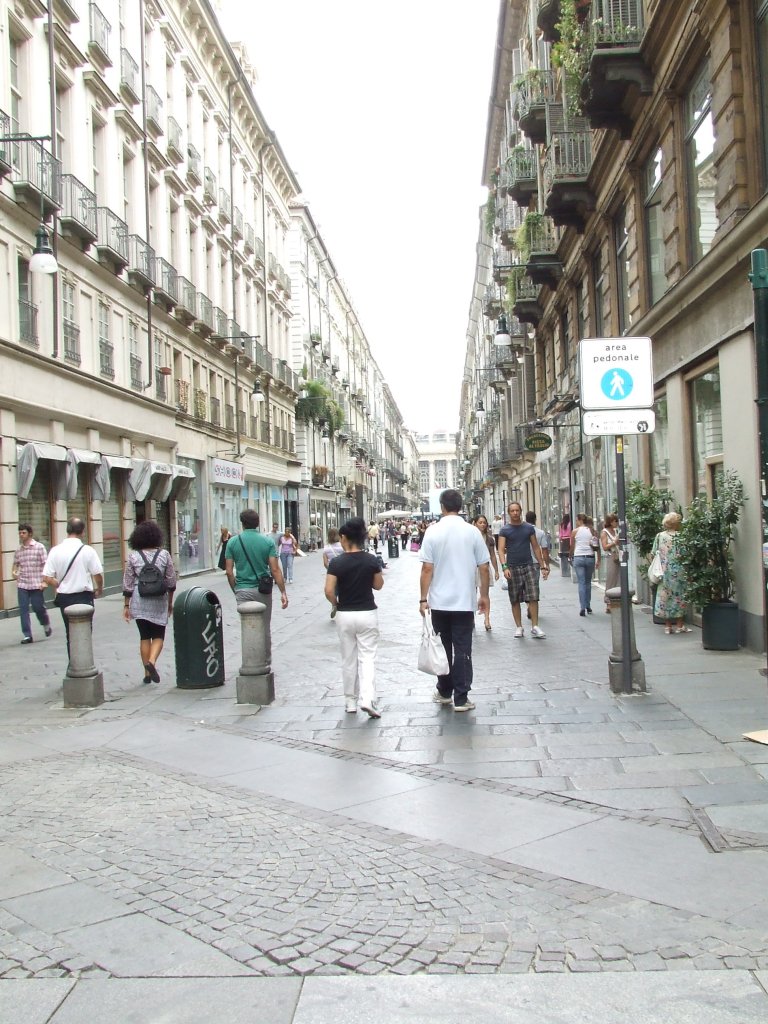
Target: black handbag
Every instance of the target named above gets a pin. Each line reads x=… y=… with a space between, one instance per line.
x=265 y=582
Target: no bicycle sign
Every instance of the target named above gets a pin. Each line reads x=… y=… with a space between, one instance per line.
x=616 y=373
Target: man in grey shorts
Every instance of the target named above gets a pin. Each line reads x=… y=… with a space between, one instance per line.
x=517 y=543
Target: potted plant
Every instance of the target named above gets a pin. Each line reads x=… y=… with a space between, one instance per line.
x=704 y=552
x=646 y=506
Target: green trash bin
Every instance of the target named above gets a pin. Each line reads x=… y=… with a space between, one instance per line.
x=393 y=547
x=199 y=639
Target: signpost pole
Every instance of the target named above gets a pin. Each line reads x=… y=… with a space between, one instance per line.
x=626 y=636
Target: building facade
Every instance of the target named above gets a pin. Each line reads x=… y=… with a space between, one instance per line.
x=437 y=465
x=156 y=373
x=626 y=164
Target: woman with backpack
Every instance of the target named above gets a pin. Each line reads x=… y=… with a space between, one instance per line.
x=149 y=583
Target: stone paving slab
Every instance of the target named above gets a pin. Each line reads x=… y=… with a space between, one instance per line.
x=32 y=1002
x=64 y=907
x=585 y=999
x=21 y=873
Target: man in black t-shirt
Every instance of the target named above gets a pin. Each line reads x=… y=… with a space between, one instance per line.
x=517 y=543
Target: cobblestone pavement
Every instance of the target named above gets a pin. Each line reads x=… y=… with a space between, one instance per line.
x=281 y=887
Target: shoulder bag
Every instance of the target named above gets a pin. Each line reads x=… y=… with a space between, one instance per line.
x=432 y=657
x=656 y=571
x=266 y=582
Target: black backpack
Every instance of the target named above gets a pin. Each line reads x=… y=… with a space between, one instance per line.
x=151 y=579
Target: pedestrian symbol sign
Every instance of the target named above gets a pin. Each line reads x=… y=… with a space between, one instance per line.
x=615 y=373
x=616 y=384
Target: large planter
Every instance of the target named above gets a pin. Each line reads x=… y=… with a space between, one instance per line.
x=720 y=626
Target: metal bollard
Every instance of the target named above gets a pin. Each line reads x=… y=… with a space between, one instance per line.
x=83 y=685
x=615 y=657
x=256 y=680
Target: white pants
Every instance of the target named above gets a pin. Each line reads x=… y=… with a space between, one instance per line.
x=358 y=639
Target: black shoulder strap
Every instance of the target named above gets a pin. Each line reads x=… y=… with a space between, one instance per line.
x=72 y=562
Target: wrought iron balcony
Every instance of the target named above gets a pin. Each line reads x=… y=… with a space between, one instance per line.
x=220 y=322
x=249 y=239
x=237 y=223
x=193 y=164
x=154 y=111
x=535 y=89
x=205 y=323
x=6 y=161
x=258 y=251
x=141 y=262
x=166 y=285
x=492 y=305
x=130 y=80
x=541 y=241
x=70 y=334
x=547 y=18
x=567 y=163
x=186 y=305
x=137 y=373
x=28 y=323
x=520 y=175
x=272 y=266
x=36 y=177
x=175 y=144
x=504 y=263
x=617 y=65
x=112 y=239
x=225 y=205
x=78 y=209
x=526 y=305
x=98 y=38
x=209 y=186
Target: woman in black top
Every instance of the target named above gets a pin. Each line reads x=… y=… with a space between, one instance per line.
x=349 y=585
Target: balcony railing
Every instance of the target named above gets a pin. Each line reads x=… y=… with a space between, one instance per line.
x=28 y=323
x=272 y=266
x=237 y=223
x=534 y=90
x=187 y=299
x=130 y=82
x=37 y=175
x=258 y=250
x=193 y=163
x=209 y=185
x=225 y=205
x=6 y=161
x=205 y=312
x=78 y=208
x=106 y=359
x=154 y=110
x=137 y=373
x=166 y=284
x=215 y=411
x=220 y=322
x=112 y=240
x=250 y=238
x=617 y=22
x=141 y=261
x=70 y=334
x=100 y=28
x=175 y=147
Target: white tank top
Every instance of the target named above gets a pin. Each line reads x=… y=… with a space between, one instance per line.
x=581 y=542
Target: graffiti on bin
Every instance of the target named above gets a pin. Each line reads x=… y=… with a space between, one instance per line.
x=209 y=636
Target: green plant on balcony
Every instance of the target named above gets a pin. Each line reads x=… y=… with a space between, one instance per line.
x=312 y=404
x=513 y=283
x=490 y=213
x=528 y=231
x=334 y=415
x=571 y=54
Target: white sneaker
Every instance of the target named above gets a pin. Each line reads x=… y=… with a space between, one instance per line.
x=371 y=710
x=438 y=698
x=519 y=633
x=466 y=706
x=351 y=707
x=538 y=633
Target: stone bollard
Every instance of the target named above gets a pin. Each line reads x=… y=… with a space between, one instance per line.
x=615 y=674
x=83 y=686
x=256 y=680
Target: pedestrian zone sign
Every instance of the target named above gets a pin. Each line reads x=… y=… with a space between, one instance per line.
x=616 y=373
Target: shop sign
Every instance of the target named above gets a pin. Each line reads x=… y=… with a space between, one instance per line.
x=225 y=472
x=538 y=442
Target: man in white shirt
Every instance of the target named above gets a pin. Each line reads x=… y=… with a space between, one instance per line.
x=74 y=569
x=452 y=552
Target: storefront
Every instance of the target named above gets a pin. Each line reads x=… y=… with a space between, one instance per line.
x=229 y=496
x=192 y=525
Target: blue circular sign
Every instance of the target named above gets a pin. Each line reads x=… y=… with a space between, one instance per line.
x=616 y=384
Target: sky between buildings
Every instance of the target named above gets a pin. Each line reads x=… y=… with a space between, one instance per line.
x=381 y=110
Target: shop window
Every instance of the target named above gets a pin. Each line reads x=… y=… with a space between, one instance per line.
x=621 y=245
x=700 y=147
x=654 y=241
x=659 y=445
x=36 y=509
x=706 y=431
x=762 y=54
x=112 y=530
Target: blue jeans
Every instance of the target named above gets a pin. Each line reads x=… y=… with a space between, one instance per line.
x=455 y=629
x=286 y=560
x=35 y=600
x=585 y=568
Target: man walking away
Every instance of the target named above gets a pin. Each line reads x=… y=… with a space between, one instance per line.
x=252 y=566
x=373 y=536
x=28 y=565
x=544 y=543
x=452 y=552
x=517 y=543
x=75 y=570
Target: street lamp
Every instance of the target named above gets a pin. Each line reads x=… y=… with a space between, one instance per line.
x=502 y=336
x=43 y=260
x=257 y=395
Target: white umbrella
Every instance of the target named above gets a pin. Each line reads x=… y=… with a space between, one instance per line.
x=393 y=513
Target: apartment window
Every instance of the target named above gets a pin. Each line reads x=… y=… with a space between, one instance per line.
x=423 y=477
x=127 y=186
x=654 y=242
x=565 y=341
x=582 y=314
x=69 y=329
x=106 y=349
x=27 y=309
x=62 y=124
x=699 y=145
x=706 y=430
x=621 y=244
x=762 y=54
x=16 y=77
x=97 y=152
x=598 y=278
x=441 y=473
x=134 y=357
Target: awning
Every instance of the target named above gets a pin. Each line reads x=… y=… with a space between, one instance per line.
x=26 y=465
x=149 y=479
x=183 y=478
x=74 y=457
x=102 y=482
